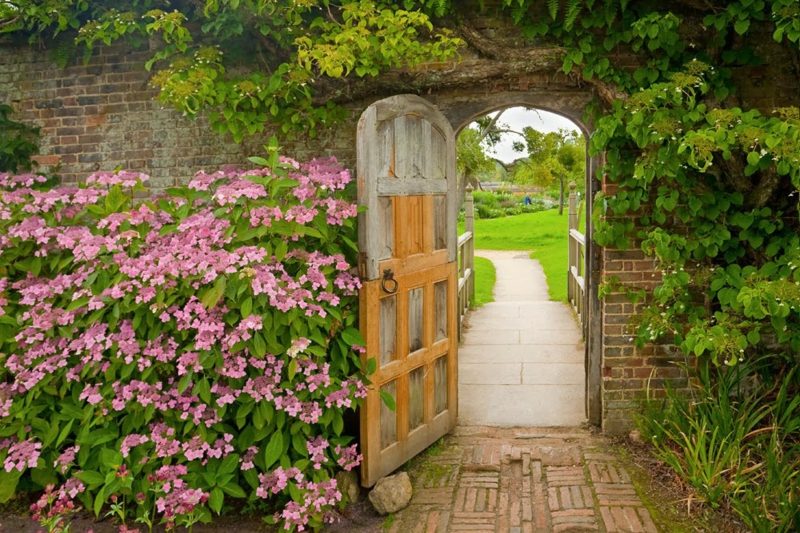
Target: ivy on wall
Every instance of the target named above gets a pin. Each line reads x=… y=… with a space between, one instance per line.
x=247 y=63
x=18 y=142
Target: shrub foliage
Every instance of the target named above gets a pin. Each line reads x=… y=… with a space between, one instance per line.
x=166 y=359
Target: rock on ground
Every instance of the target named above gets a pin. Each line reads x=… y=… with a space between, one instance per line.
x=391 y=493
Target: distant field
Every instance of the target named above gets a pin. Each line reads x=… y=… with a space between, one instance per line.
x=543 y=234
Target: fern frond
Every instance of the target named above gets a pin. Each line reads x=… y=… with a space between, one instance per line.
x=552 y=6
x=572 y=12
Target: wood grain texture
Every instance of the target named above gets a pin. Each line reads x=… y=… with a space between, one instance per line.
x=406 y=182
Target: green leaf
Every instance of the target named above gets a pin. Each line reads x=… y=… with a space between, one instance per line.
x=388 y=399
x=353 y=337
x=228 y=464
x=110 y=457
x=91 y=478
x=260 y=161
x=8 y=484
x=741 y=26
x=259 y=346
x=247 y=307
x=338 y=423
x=212 y=296
x=99 y=500
x=215 y=500
x=232 y=489
x=274 y=449
x=100 y=436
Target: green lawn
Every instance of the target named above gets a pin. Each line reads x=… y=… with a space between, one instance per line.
x=484 y=281
x=544 y=234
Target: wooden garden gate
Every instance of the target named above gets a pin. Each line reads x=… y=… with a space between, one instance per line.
x=407 y=240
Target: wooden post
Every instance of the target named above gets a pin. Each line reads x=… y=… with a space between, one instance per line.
x=572 y=246
x=469 y=219
x=573 y=206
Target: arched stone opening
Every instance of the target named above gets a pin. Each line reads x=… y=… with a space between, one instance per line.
x=461 y=111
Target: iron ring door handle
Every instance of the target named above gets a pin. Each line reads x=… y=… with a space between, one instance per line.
x=388 y=279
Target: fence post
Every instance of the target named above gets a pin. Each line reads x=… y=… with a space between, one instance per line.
x=469 y=219
x=573 y=206
x=572 y=246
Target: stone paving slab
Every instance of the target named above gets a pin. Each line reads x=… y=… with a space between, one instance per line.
x=508 y=405
x=521 y=361
x=522 y=479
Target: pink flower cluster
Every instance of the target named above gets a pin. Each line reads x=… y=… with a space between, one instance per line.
x=349 y=458
x=67 y=457
x=124 y=178
x=59 y=503
x=317 y=497
x=140 y=313
x=22 y=455
x=178 y=498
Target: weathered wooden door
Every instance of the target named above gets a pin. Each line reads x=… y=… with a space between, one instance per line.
x=407 y=239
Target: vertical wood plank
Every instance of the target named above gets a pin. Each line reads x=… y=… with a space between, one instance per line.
x=452 y=362
x=440 y=384
x=415 y=319
x=384 y=234
x=401 y=147
x=427 y=230
x=421 y=137
x=439 y=222
x=416 y=398
x=388 y=419
x=437 y=159
x=385 y=163
x=440 y=313
x=388 y=329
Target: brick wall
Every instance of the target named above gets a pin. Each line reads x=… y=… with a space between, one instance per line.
x=104 y=115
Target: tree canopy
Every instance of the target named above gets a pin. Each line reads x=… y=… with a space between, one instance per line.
x=553 y=158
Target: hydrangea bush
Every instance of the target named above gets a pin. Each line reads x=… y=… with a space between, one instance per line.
x=166 y=359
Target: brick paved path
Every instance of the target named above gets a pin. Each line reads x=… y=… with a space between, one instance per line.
x=521 y=480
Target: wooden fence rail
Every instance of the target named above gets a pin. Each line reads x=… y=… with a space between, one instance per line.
x=466 y=260
x=576 y=286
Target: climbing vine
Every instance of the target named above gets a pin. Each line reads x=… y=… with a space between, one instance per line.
x=247 y=63
x=703 y=184
x=18 y=142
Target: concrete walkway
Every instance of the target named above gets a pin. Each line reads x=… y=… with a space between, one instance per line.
x=521 y=362
x=521 y=480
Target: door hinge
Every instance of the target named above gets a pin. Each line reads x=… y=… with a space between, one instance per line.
x=362 y=265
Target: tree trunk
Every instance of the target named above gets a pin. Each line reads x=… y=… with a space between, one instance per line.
x=561 y=196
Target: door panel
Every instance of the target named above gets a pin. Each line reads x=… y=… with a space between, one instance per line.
x=406 y=181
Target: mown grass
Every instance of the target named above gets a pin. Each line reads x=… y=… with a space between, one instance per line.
x=485 y=277
x=543 y=234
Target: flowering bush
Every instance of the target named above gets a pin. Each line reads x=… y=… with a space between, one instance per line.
x=161 y=358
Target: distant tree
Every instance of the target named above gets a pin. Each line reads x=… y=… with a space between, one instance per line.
x=555 y=157
x=475 y=143
x=472 y=161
